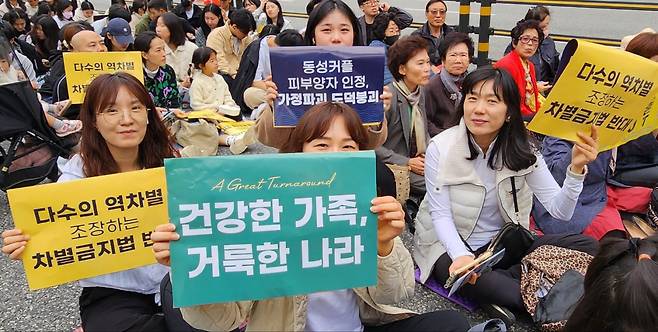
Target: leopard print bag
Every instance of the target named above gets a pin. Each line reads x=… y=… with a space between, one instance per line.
x=542 y=269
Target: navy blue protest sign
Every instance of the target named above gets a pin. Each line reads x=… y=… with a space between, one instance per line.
x=306 y=76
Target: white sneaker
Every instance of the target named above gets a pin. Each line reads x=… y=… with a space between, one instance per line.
x=232 y=110
x=242 y=143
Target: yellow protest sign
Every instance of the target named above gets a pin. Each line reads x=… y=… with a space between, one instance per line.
x=82 y=67
x=208 y=114
x=235 y=128
x=602 y=86
x=89 y=227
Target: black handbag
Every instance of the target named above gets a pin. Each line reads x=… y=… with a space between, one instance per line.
x=514 y=238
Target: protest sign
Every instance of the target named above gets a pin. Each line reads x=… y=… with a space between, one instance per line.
x=306 y=76
x=89 y=227
x=82 y=67
x=301 y=224
x=602 y=86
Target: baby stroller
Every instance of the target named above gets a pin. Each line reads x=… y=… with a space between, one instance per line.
x=28 y=146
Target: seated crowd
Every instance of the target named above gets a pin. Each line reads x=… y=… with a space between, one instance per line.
x=456 y=134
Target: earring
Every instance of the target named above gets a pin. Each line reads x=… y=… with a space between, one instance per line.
x=508 y=118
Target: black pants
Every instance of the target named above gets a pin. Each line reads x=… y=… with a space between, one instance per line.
x=173 y=316
x=108 y=309
x=502 y=286
x=444 y=321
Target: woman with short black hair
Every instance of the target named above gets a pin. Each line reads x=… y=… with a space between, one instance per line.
x=621 y=293
x=159 y=77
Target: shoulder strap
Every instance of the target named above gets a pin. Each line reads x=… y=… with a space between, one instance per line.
x=516 y=202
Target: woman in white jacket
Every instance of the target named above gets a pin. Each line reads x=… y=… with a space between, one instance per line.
x=471 y=172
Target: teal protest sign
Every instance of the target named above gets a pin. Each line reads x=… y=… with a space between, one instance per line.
x=261 y=226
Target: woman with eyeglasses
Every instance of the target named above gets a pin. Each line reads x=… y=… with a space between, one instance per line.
x=121 y=133
x=547 y=58
x=526 y=38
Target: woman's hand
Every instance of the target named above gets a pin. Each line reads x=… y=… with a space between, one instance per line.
x=585 y=151
x=161 y=237
x=417 y=165
x=460 y=262
x=386 y=98
x=14 y=242
x=271 y=90
x=543 y=86
x=390 y=222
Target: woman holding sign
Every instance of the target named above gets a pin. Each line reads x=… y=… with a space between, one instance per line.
x=121 y=133
x=481 y=175
x=330 y=127
x=331 y=23
x=597 y=214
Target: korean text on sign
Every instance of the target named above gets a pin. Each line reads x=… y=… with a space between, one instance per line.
x=306 y=76
x=82 y=68
x=89 y=227
x=301 y=226
x=603 y=87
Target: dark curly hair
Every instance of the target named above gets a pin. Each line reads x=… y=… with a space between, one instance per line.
x=522 y=26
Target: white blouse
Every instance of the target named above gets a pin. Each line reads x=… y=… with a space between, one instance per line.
x=560 y=202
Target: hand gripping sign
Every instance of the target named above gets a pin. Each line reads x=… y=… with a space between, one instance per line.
x=301 y=224
x=306 y=76
x=89 y=227
x=611 y=89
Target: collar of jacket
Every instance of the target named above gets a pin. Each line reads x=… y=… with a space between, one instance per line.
x=457 y=169
x=425 y=30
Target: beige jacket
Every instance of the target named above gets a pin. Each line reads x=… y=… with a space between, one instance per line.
x=219 y=40
x=467 y=193
x=395 y=282
x=209 y=92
